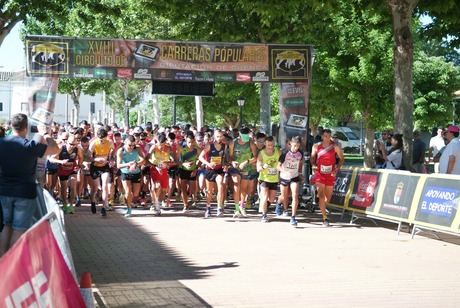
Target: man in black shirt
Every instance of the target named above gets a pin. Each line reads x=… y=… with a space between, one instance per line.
x=18 y=160
x=418 y=154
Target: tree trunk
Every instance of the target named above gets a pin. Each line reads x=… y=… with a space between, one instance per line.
x=76 y=103
x=265 y=111
x=125 y=87
x=5 y=30
x=401 y=11
x=369 y=161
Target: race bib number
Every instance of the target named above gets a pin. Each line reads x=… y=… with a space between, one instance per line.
x=326 y=169
x=292 y=165
x=272 y=171
x=216 y=159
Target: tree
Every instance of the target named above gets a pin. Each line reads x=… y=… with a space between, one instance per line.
x=243 y=21
x=96 y=19
x=126 y=89
x=15 y=11
x=434 y=82
x=445 y=22
x=75 y=87
x=352 y=77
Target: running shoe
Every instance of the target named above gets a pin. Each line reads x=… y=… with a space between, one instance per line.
x=110 y=209
x=243 y=211
x=128 y=212
x=184 y=210
x=326 y=223
x=103 y=212
x=220 y=212
x=78 y=203
x=93 y=207
x=156 y=209
x=278 y=209
x=293 y=221
x=207 y=213
x=285 y=214
x=236 y=214
x=264 y=218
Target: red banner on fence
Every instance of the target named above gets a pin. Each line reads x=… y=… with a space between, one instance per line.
x=34 y=273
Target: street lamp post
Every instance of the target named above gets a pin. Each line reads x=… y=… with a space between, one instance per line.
x=127 y=105
x=241 y=102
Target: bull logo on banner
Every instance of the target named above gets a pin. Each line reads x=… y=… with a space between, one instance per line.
x=290 y=61
x=50 y=57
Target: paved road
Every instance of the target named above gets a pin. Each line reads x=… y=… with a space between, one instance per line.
x=187 y=261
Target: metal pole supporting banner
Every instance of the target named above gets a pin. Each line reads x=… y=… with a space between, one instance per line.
x=199 y=112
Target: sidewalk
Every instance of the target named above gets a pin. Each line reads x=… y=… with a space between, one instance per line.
x=178 y=260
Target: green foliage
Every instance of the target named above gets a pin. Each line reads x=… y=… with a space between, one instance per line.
x=118 y=91
x=352 y=77
x=445 y=20
x=434 y=82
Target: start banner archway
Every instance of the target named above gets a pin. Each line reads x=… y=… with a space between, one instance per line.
x=181 y=63
x=166 y=60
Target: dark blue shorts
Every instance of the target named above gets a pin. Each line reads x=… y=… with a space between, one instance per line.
x=244 y=175
x=18 y=212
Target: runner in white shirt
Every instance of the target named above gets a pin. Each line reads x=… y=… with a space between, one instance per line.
x=290 y=166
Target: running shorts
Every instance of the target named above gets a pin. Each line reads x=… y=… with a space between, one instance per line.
x=325 y=179
x=160 y=176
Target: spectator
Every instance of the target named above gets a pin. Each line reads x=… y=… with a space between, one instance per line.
x=436 y=145
x=319 y=133
x=393 y=160
x=418 y=154
x=450 y=158
x=18 y=159
x=2 y=132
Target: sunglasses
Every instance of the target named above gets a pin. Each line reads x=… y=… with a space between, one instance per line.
x=132 y=145
x=73 y=144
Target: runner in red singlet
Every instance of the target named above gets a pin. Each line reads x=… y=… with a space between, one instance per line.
x=324 y=161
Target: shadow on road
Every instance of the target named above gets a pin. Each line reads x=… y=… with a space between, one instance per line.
x=131 y=267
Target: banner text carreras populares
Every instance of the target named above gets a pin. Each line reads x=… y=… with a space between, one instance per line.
x=166 y=60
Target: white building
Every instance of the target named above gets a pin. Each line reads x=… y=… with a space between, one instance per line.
x=14 y=99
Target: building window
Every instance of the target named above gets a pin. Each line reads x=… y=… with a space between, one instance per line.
x=1 y=106
x=93 y=107
x=25 y=108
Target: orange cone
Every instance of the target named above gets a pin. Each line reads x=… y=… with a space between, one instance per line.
x=86 y=290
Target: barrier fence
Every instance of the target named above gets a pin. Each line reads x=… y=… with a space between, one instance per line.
x=428 y=201
x=39 y=266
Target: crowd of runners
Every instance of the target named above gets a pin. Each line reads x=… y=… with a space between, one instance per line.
x=149 y=166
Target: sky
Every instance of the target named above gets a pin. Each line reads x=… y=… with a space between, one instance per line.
x=12 y=54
